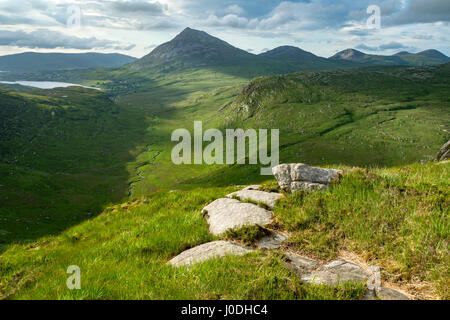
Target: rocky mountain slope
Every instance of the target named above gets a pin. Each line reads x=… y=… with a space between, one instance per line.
x=424 y=58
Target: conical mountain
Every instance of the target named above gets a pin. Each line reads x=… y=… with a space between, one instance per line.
x=196 y=48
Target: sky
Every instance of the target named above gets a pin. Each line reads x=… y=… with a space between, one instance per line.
x=135 y=27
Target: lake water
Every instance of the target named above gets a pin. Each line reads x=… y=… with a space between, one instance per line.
x=47 y=84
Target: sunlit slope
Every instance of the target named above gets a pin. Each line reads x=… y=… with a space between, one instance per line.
x=361 y=117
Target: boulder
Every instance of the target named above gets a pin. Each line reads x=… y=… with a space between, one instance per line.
x=208 y=251
x=225 y=214
x=268 y=198
x=336 y=272
x=299 y=176
x=444 y=152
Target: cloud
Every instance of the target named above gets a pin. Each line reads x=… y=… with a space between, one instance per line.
x=230 y=20
x=392 y=45
x=264 y=21
x=366 y=48
x=235 y=9
x=152 y=8
x=420 y=11
x=47 y=39
x=423 y=37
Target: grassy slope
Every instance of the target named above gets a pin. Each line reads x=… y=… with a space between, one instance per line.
x=395 y=218
x=359 y=117
x=123 y=253
x=63 y=157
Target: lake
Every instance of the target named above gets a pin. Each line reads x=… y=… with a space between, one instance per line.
x=46 y=84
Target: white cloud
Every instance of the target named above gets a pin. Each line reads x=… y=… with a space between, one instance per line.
x=323 y=25
x=235 y=9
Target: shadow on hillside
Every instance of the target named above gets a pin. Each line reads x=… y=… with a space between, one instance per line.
x=65 y=158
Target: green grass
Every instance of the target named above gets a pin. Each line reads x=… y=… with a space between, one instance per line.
x=123 y=254
x=247 y=235
x=395 y=218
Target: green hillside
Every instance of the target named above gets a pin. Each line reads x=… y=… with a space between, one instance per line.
x=373 y=117
x=361 y=117
x=63 y=155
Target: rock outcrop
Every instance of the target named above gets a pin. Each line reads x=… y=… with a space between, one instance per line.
x=268 y=198
x=298 y=176
x=226 y=214
x=208 y=251
x=336 y=272
x=444 y=152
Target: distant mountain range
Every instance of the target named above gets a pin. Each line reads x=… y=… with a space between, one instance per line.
x=424 y=58
x=37 y=62
x=194 y=48
x=197 y=49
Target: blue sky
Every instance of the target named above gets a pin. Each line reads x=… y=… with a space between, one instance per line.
x=135 y=27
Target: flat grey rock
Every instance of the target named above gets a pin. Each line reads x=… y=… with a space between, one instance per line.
x=225 y=214
x=336 y=272
x=272 y=241
x=268 y=198
x=299 y=176
x=384 y=293
x=208 y=251
x=301 y=264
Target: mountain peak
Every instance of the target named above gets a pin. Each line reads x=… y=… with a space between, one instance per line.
x=433 y=53
x=286 y=52
x=195 y=48
x=348 y=54
x=189 y=33
x=402 y=53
